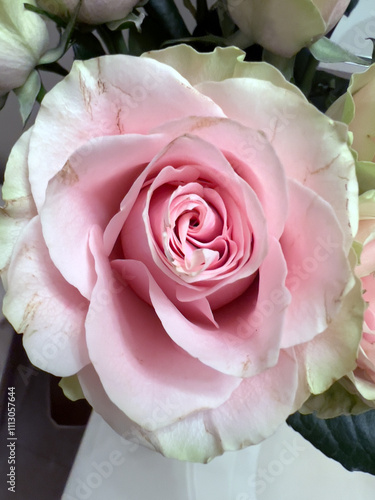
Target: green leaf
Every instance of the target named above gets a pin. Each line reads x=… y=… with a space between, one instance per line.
x=27 y=94
x=135 y=19
x=169 y=17
x=56 y=19
x=283 y=64
x=217 y=41
x=190 y=7
x=55 y=54
x=86 y=46
x=113 y=40
x=324 y=50
x=373 y=48
x=227 y=26
x=54 y=67
x=352 y=4
x=350 y=440
x=202 y=11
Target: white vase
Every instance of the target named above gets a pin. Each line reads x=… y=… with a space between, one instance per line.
x=284 y=467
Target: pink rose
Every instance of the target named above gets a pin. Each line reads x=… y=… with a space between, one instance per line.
x=176 y=232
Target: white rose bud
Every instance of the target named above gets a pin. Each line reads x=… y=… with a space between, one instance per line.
x=92 y=11
x=23 y=39
x=286 y=26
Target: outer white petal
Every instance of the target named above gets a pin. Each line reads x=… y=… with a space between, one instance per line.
x=23 y=39
x=44 y=307
x=332 y=354
x=19 y=206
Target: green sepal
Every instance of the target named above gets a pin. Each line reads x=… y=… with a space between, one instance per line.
x=190 y=7
x=214 y=40
x=168 y=17
x=27 y=94
x=134 y=19
x=326 y=51
x=55 y=54
x=56 y=19
x=72 y=388
x=283 y=64
x=86 y=46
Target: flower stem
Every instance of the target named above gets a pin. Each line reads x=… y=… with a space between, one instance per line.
x=309 y=74
x=54 y=67
x=42 y=92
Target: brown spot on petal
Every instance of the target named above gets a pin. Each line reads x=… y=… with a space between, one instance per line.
x=101 y=87
x=326 y=167
x=30 y=311
x=86 y=94
x=204 y=122
x=118 y=121
x=246 y=365
x=67 y=175
x=26 y=252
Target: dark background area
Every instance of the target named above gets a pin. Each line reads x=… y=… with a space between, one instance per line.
x=48 y=428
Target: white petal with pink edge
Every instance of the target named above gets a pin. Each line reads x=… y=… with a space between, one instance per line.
x=45 y=308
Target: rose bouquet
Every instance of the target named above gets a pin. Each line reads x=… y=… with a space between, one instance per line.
x=187 y=237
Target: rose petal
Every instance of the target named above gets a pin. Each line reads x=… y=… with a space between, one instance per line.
x=187 y=439
x=258 y=407
x=216 y=66
x=189 y=155
x=148 y=378
x=318 y=270
x=368 y=291
x=200 y=437
x=45 y=308
x=97 y=397
x=19 y=206
x=251 y=156
x=106 y=96
x=287 y=119
x=332 y=354
x=228 y=347
x=92 y=184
